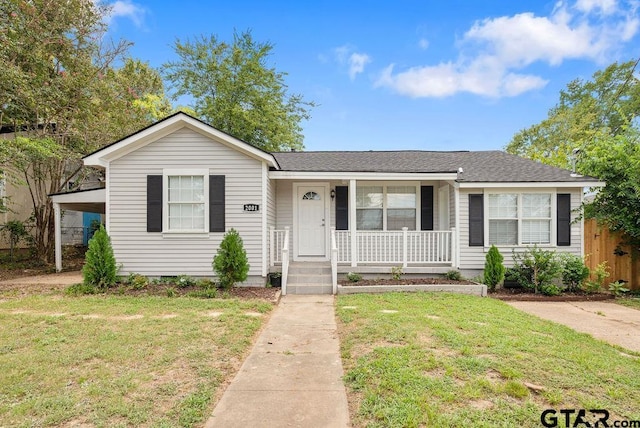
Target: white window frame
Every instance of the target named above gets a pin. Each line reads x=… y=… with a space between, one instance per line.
x=166 y=173
x=385 y=204
x=519 y=192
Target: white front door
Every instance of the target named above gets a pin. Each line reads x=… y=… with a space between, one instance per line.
x=311 y=213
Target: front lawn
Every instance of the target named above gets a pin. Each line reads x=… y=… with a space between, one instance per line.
x=438 y=359
x=118 y=360
x=630 y=301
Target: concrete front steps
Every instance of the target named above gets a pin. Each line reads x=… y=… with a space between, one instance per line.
x=309 y=278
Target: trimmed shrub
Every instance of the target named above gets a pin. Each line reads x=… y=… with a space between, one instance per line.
x=230 y=263
x=453 y=275
x=536 y=269
x=574 y=271
x=100 y=265
x=354 y=277
x=494 y=269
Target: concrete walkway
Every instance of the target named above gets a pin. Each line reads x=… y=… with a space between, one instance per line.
x=606 y=321
x=293 y=376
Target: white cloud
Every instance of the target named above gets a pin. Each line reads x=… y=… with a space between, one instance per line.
x=605 y=6
x=423 y=43
x=127 y=9
x=355 y=61
x=493 y=51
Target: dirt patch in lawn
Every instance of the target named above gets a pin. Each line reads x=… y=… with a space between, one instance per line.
x=405 y=281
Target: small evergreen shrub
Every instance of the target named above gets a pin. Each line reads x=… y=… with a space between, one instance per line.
x=231 y=263
x=354 y=277
x=536 y=269
x=453 y=275
x=100 y=268
x=574 y=271
x=494 y=269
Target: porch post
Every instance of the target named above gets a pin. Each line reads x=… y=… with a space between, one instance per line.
x=272 y=252
x=455 y=234
x=404 y=246
x=352 y=223
x=58 y=235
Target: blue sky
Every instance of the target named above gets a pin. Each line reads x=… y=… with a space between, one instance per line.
x=408 y=74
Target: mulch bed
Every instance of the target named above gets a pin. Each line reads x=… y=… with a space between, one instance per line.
x=405 y=281
x=524 y=295
x=263 y=293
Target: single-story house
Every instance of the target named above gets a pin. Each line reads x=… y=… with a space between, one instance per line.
x=174 y=188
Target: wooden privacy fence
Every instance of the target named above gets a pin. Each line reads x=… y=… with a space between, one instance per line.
x=600 y=245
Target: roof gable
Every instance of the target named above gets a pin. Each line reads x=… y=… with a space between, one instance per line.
x=165 y=127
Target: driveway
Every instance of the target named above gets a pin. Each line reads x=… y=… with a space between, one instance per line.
x=606 y=321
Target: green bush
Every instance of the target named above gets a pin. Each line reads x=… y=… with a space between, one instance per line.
x=184 y=281
x=618 y=288
x=494 y=269
x=137 y=281
x=231 y=263
x=601 y=273
x=574 y=271
x=354 y=277
x=80 y=289
x=100 y=265
x=396 y=273
x=536 y=269
x=453 y=275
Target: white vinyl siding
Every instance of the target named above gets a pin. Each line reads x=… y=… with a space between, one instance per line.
x=474 y=257
x=156 y=254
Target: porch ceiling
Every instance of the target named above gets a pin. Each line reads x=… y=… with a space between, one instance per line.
x=92 y=200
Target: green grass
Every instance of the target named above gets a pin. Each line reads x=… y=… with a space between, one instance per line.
x=455 y=360
x=110 y=361
x=630 y=301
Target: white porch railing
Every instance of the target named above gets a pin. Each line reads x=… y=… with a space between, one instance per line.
x=276 y=244
x=402 y=247
x=397 y=247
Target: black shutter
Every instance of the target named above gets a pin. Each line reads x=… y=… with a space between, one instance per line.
x=426 y=208
x=476 y=220
x=216 y=203
x=154 y=203
x=342 y=208
x=564 y=220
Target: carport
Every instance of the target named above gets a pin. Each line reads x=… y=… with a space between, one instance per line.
x=90 y=200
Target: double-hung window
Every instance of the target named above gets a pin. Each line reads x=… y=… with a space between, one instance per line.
x=519 y=218
x=186 y=201
x=380 y=207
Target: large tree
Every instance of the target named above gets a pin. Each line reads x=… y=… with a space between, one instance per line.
x=60 y=93
x=616 y=160
x=586 y=110
x=234 y=89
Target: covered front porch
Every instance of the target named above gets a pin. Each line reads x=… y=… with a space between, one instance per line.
x=366 y=225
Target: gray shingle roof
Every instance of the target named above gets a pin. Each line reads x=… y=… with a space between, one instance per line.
x=483 y=166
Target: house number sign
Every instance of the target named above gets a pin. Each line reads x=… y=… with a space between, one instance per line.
x=251 y=208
